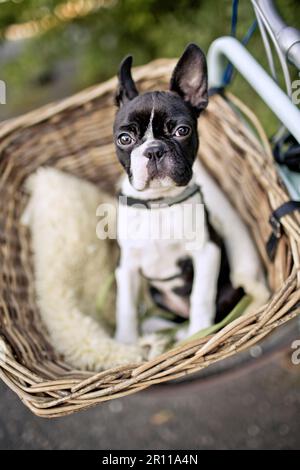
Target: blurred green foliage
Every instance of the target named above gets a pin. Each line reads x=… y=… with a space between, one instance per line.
x=87 y=49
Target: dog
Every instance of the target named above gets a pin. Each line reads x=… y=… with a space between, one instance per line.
x=156 y=141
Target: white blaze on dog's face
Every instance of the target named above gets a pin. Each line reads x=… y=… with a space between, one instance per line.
x=138 y=160
x=156 y=132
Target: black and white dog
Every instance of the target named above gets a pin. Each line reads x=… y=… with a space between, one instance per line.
x=157 y=142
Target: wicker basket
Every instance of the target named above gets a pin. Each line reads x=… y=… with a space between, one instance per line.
x=75 y=135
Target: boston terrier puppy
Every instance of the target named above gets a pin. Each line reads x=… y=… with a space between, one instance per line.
x=190 y=274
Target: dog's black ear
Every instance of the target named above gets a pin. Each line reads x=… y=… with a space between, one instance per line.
x=189 y=78
x=126 y=89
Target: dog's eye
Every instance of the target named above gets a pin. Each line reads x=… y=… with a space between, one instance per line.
x=125 y=139
x=182 y=131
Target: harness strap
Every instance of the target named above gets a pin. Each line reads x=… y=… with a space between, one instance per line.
x=277 y=214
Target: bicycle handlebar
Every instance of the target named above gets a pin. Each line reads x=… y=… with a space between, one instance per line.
x=287 y=37
x=230 y=48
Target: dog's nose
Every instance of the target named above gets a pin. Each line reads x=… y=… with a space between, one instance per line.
x=154 y=151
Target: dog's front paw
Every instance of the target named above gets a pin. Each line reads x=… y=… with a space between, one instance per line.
x=182 y=334
x=192 y=329
x=126 y=336
x=200 y=325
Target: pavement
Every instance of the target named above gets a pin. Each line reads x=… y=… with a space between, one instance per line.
x=253 y=406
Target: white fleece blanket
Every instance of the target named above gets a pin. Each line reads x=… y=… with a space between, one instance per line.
x=71 y=266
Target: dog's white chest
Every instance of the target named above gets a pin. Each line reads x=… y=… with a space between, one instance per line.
x=156 y=238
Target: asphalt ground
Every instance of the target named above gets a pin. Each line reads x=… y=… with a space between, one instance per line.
x=253 y=406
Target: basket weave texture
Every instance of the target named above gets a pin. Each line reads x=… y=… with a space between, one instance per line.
x=75 y=135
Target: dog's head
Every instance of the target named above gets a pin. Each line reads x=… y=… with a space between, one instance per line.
x=156 y=132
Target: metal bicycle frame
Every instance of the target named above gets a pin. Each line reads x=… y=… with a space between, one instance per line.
x=276 y=99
